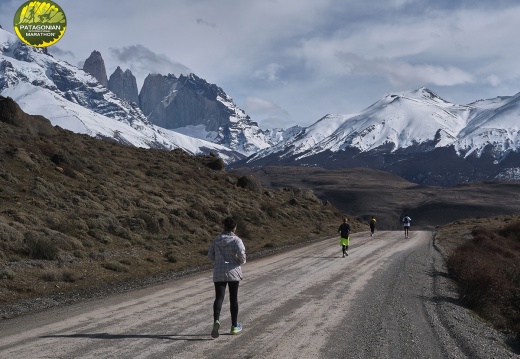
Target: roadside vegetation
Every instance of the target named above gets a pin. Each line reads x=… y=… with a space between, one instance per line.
x=79 y=214
x=487 y=270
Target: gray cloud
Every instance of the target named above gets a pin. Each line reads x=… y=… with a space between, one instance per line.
x=269 y=73
x=266 y=113
x=142 y=61
x=65 y=55
x=201 y=21
x=298 y=60
x=55 y=50
x=264 y=107
x=403 y=74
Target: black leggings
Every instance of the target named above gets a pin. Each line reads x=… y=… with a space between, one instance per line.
x=220 y=292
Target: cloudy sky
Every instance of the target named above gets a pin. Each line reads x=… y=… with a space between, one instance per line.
x=288 y=62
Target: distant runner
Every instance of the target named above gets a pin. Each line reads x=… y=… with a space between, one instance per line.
x=406 y=225
x=344 y=239
x=372 y=226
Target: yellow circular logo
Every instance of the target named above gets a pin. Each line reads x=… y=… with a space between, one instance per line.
x=40 y=23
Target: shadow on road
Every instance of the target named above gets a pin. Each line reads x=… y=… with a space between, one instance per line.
x=187 y=337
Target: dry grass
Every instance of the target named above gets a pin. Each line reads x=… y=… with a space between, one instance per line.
x=78 y=213
x=486 y=266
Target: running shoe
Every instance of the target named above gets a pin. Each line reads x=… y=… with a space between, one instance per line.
x=216 y=327
x=237 y=329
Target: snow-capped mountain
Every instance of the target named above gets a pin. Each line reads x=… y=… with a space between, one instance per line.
x=408 y=119
x=401 y=124
x=74 y=100
x=416 y=135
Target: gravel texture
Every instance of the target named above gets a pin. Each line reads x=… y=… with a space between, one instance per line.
x=390 y=298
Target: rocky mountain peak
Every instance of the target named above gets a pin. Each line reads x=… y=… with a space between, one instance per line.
x=172 y=102
x=95 y=66
x=118 y=72
x=124 y=85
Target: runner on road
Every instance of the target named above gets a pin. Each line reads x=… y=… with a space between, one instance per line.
x=406 y=225
x=344 y=239
x=228 y=252
x=372 y=226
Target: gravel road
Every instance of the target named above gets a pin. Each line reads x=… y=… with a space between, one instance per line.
x=390 y=298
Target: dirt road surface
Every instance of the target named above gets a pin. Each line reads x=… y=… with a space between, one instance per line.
x=390 y=298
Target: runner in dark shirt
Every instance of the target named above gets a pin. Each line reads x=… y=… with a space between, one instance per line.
x=344 y=239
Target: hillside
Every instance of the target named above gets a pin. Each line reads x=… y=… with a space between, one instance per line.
x=79 y=213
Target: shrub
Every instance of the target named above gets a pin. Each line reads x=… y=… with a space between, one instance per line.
x=69 y=276
x=9 y=234
x=151 y=221
x=243 y=230
x=487 y=269
x=270 y=209
x=6 y=273
x=171 y=257
x=511 y=231
x=37 y=248
x=212 y=216
x=115 y=266
x=50 y=275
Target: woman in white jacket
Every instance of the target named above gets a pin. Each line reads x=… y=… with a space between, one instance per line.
x=228 y=252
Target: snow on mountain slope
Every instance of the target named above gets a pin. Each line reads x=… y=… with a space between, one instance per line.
x=404 y=120
x=495 y=123
x=401 y=120
x=74 y=100
x=241 y=134
x=36 y=100
x=303 y=139
x=418 y=120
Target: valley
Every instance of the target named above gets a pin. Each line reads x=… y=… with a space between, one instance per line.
x=362 y=192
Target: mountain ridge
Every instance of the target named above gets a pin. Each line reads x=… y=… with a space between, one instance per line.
x=181 y=103
x=74 y=100
x=402 y=120
x=404 y=132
